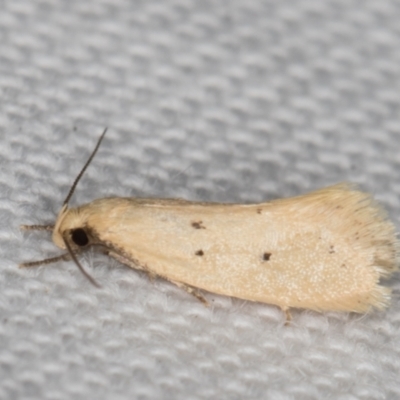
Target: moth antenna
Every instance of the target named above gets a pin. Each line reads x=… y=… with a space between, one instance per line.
x=77 y=179
x=78 y=264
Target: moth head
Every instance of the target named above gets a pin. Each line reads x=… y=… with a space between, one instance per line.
x=70 y=231
x=71 y=227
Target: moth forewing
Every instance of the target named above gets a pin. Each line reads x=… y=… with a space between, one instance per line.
x=326 y=250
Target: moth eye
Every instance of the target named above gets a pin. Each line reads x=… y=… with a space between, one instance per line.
x=79 y=237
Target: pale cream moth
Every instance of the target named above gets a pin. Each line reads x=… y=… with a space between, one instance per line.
x=326 y=250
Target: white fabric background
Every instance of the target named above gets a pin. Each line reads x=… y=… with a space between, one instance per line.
x=208 y=100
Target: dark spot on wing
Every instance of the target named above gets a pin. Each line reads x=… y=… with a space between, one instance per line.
x=199 y=253
x=331 y=249
x=266 y=256
x=198 y=225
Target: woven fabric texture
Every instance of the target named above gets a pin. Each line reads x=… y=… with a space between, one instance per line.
x=236 y=101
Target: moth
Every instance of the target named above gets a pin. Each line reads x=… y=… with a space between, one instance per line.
x=326 y=250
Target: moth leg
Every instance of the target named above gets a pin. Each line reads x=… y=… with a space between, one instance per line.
x=191 y=290
x=37 y=227
x=123 y=260
x=126 y=261
x=62 y=257
x=152 y=275
x=287 y=314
